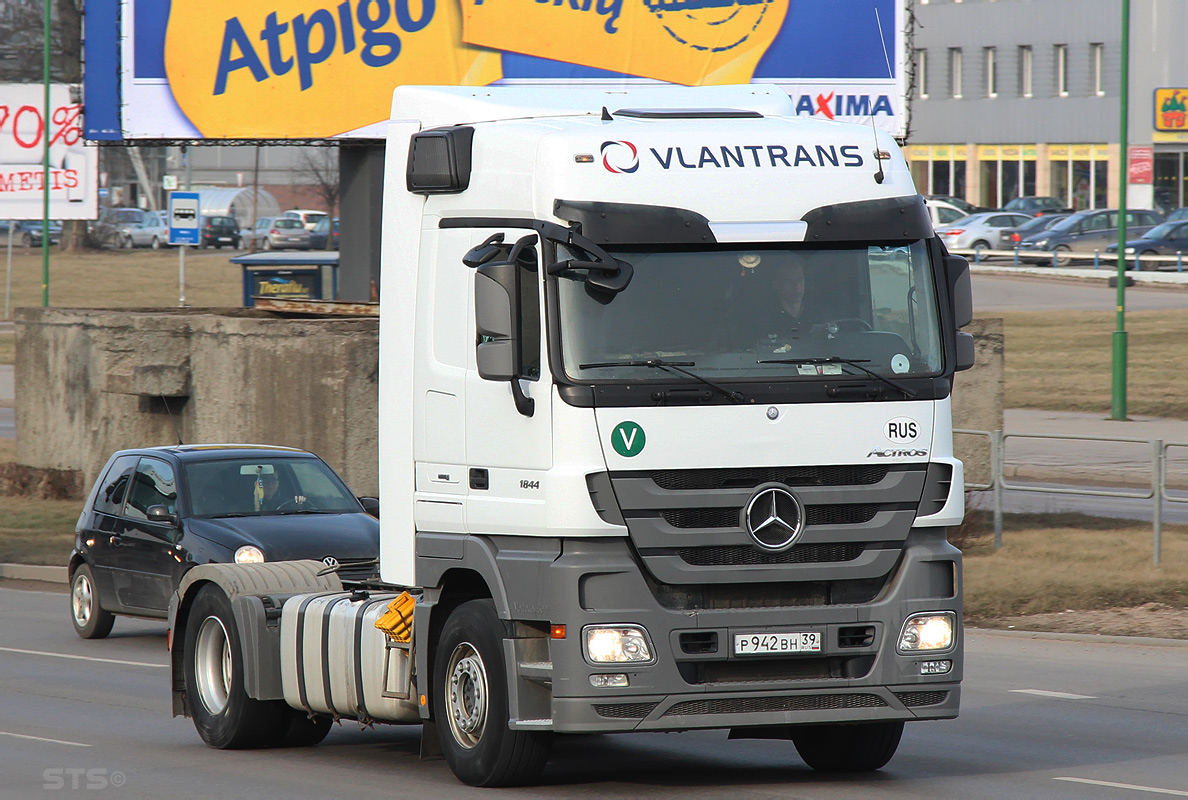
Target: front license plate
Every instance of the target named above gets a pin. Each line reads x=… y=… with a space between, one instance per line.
x=750 y=644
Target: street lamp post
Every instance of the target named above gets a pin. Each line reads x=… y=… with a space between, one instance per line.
x=1118 y=393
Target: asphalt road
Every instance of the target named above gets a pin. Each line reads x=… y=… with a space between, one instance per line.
x=997 y=292
x=1041 y=718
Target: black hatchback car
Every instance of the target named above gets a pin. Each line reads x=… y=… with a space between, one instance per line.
x=156 y=512
x=219 y=231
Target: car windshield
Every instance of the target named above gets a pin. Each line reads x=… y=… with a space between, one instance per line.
x=1161 y=231
x=1068 y=223
x=287 y=223
x=247 y=487
x=1038 y=223
x=222 y=221
x=129 y=215
x=762 y=313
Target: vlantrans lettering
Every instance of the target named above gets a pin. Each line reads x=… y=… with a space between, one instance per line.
x=314 y=38
x=760 y=155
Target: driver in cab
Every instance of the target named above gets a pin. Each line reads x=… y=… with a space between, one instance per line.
x=776 y=317
x=268 y=495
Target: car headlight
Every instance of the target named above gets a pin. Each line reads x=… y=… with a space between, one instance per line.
x=928 y=632
x=249 y=554
x=617 y=644
x=1130 y=251
x=1040 y=243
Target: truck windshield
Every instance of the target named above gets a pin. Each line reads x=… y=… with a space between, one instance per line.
x=761 y=313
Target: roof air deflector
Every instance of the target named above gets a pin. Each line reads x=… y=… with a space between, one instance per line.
x=688 y=113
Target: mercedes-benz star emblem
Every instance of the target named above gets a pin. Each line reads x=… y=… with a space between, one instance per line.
x=775 y=518
x=330 y=561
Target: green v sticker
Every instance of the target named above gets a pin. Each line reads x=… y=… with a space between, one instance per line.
x=628 y=439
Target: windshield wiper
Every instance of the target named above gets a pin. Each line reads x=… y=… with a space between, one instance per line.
x=855 y=363
x=672 y=366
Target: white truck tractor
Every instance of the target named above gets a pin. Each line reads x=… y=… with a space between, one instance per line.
x=665 y=444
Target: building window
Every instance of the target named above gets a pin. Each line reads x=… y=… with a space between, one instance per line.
x=955 y=72
x=1062 y=70
x=1025 y=71
x=1097 y=54
x=991 y=72
x=922 y=73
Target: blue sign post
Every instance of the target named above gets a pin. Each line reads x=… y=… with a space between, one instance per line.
x=183 y=218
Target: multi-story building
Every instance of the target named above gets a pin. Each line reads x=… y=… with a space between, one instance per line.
x=1022 y=97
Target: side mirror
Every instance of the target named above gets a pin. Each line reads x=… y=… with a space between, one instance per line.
x=965 y=351
x=160 y=515
x=370 y=505
x=960 y=289
x=497 y=321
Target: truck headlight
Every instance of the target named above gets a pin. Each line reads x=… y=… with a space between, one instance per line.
x=617 y=644
x=249 y=554
x=928 y=632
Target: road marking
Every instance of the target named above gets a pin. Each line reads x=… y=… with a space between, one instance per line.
x=82 y=658
x=1112 y=785
x=1057 y=695
x=42 y=739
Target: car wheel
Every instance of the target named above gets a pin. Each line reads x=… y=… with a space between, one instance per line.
x=981 y=243
x=1062 y=257
x=90 y=621
x=470 y=704
x=27 y=240
x=863 y=747
x=202 y=244
x=156 y=245
x=126 y=243
x=226 y=718
x=267 y=243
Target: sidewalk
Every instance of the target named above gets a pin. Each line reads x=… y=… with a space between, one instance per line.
x=7 y=386
x=1100 y=463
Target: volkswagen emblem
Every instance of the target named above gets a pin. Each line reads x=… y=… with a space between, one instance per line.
x=774 y=517
x=330 y=561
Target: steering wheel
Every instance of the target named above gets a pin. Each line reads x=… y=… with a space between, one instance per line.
x=295 y=505
x=848 y=324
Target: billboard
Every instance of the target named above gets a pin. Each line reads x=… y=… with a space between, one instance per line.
x=73 y=173
x=304 y=69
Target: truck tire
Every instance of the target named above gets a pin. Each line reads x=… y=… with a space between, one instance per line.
x=470 y=704
x=226 y=718
x=860 y=747
x=301 y=731
x=90 y=621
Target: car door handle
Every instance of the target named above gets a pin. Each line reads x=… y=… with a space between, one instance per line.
x=115 y=540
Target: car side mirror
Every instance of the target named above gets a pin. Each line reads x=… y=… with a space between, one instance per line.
x=370 y=505
x=160 y=515
x=960 y=289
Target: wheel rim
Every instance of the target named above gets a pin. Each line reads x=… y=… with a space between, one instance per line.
x=80 y=600
x=212 y=665
x=468 y=695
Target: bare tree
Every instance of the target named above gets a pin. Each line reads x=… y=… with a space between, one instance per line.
x=319 y=168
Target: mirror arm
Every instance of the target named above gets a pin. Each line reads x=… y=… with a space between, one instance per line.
x=524 y=404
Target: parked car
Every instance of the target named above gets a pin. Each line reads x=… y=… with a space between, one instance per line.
x=1165 y=239
x=27 y=233
x=942 y=212
x=217 y=231
x=156 y=512
x=323 y=236
x=968 y=208
x=1086 y=232
x=280 y=233
x=114 y=225
x=308 y=216
x=978 y=230
x=1178 y=214
x=152 y=231
x=1038 y=206
x=1010 y=238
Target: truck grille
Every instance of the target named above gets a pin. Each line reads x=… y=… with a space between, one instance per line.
x=752 y=705
x=687 y=525
x=917 y=699
x=623 y=710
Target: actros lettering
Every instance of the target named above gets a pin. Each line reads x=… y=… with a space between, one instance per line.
x=879 y=453
x=305 y=41
x=759 y=155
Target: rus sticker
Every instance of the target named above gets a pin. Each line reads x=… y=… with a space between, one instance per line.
x=282 y=68
x=694 y=42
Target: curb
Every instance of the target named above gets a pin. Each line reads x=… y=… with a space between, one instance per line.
x=1095 y=638
x=30 y=572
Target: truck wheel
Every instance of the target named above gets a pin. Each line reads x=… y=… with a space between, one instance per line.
x=470 y=704
x=301 y=731
x=224 y=715
x=862 y=747
x=90 y=621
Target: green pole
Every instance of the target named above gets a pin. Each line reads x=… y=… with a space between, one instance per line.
x=45 y=165
x=1118 y=394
